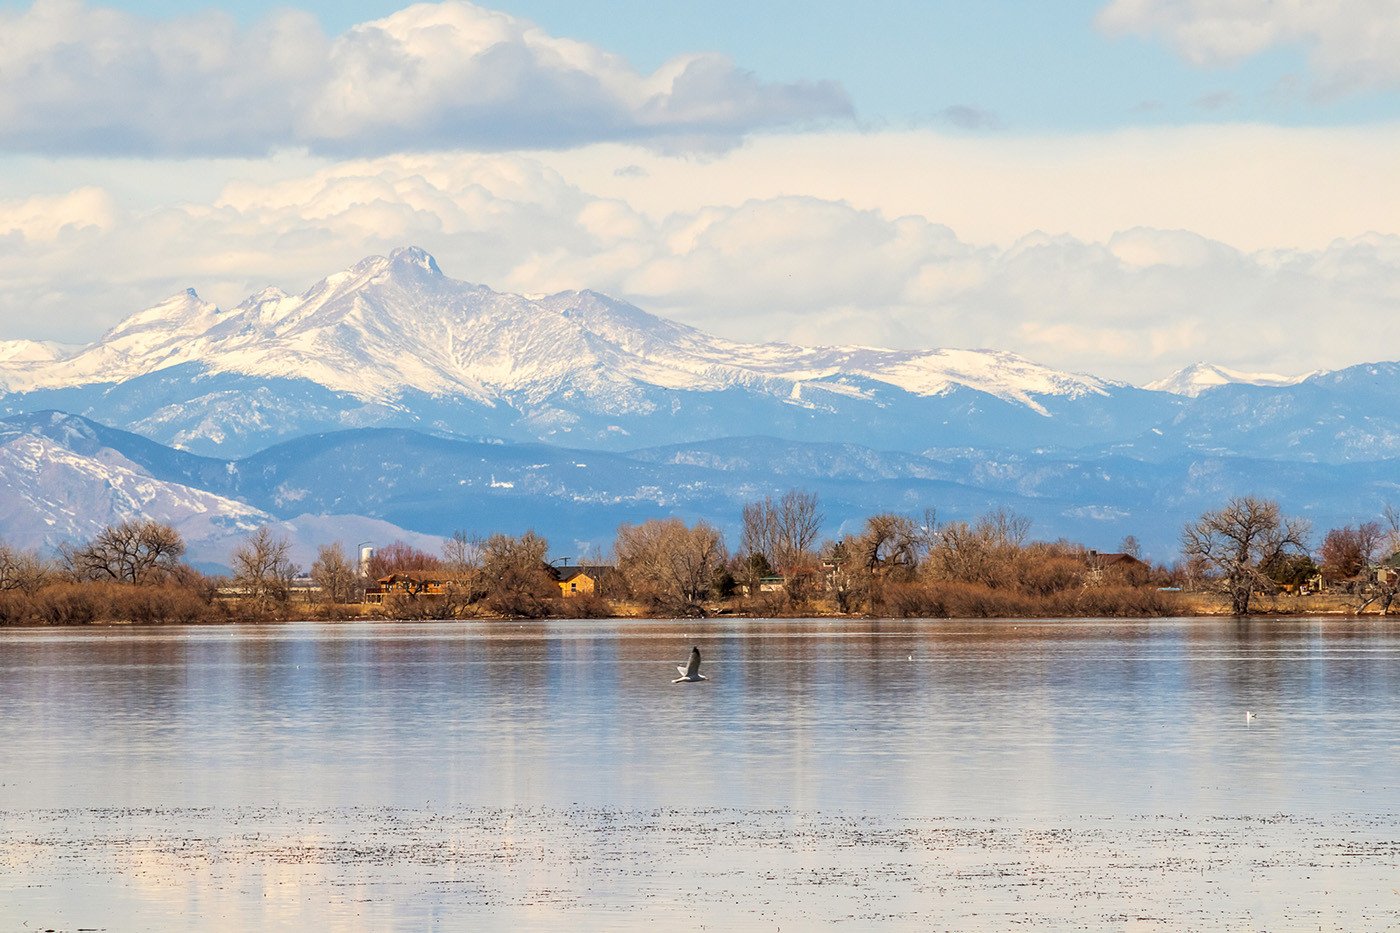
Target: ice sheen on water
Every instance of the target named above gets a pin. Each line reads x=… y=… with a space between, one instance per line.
x=889 y=773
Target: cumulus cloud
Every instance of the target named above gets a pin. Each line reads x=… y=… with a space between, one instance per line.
x=805 y=269
x=450 y=75
x=1350 y=44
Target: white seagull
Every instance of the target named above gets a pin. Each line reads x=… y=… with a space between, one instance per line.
x=691 y=672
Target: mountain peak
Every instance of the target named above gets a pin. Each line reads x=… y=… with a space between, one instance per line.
x=393 y=325
x=1192 y=380
x=416 y=257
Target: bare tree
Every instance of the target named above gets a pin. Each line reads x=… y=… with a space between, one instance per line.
x=1383 y=585
x=263 y=571
x=1239 y=543
x=333 y=573
x=758 y=532
x=463 y=569
x=889 y=545
x=799 y=521
x=985 y=552
x=132 y=552
x=515 y=576
x=887 y=550
x=462 y=552
x=782 y=533
x=1129 y=545
x=669 y=564
x=21 y=571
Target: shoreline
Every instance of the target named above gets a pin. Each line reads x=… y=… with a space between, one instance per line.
x=727 y=614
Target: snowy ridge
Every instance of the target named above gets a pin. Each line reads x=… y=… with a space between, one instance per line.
x=27 y=351
x=1192 y=380
x=390 y=325
x=54 y=494
x=60 y=482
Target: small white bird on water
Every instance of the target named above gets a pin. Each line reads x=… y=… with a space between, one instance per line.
x=691 y=672
x=1248 y=716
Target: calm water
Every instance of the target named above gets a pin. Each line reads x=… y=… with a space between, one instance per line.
x=390 y=775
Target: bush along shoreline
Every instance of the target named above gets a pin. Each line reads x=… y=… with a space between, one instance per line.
x=894 y=566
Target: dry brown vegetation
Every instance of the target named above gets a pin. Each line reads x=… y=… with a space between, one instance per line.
x=1244 y=557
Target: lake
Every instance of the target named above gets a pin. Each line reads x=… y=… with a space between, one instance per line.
x=889 y=774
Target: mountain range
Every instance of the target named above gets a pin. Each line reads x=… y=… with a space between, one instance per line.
x=392 y=400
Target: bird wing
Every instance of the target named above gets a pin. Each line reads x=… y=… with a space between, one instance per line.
x=693 y=668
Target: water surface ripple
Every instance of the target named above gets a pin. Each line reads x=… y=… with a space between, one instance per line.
x=1092 y=775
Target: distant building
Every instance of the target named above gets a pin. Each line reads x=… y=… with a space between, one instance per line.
x=406 y=583
x=774 y=583
x=582 y=580
x=1124 y=566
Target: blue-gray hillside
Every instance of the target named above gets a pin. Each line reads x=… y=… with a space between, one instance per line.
x=435 y=485
x=1351 y=414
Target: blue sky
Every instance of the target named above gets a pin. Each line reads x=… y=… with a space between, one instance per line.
x=1118 y=186
x=1034 y=65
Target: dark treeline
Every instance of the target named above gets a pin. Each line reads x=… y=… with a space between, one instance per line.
x=894 y=565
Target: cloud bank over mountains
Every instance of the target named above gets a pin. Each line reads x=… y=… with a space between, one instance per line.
x=79 y=79
x=811 y=270
x=134 y=163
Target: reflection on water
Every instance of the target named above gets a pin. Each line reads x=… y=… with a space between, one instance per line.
x=885 y=722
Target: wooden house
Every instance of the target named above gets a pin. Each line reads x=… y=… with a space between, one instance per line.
x=405 y=583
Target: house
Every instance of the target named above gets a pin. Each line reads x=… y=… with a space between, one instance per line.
x=581 y=580
x=406 y=583
x=1124 y=566
x=773 y=583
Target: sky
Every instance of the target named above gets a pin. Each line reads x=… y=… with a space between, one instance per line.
x=1120 y=187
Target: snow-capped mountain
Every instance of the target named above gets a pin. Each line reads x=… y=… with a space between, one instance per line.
x=396 y=324
x=1192 y=380
x=28 y=351
x=392 y=341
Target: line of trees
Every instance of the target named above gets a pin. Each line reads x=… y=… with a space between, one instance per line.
x=892 y=565
x=1249 y=547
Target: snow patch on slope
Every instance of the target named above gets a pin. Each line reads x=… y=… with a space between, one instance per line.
x=392 y=325
x=1198 y=377
x=52 y=495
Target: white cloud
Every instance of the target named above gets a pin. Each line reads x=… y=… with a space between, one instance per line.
x=1350 y=43
x=451 y=75
x=1255 y=187
x=46 y=218
x=1133 y=305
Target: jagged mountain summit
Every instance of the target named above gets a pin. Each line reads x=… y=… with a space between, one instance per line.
x=395 y=324
x=393 y=341
x=1192 y=380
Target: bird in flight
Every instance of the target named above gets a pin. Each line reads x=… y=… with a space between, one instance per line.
x=691 y=672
